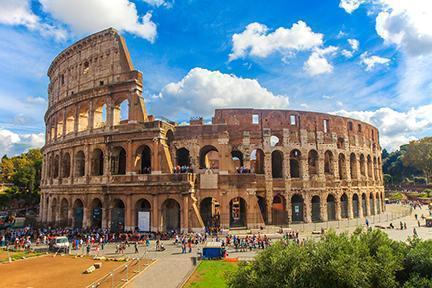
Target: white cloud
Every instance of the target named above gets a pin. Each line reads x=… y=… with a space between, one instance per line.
x=36 y=100
x=256 y=40
x=201 y=91
x=89 y=16
x=396 y=128
x=371 y=61
x=317 y=63
x=13 y=143
x=354 y=43
x=158 y=3
x=350 y=5
x=18 y=12
x=347 y=53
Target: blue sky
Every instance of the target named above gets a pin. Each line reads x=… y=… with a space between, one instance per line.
x=368 y=59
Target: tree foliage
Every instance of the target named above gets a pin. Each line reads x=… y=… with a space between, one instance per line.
x=362 y=260
x=393 y=165
x=419 y=155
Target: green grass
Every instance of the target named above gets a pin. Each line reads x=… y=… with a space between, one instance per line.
x=210 y=274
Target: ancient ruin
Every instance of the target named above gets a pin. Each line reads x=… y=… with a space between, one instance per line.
x=108 y=163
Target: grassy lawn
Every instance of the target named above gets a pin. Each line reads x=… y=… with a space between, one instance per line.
x=15 y=255
x=210 y=274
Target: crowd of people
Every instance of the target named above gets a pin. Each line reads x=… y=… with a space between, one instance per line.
x=182 y=169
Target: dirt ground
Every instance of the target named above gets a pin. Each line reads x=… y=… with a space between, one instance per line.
x=48 y=271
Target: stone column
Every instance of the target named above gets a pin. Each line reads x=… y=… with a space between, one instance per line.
x=91 y=116
x=88 y=162
x=307 y=208
x=360 y=203
x=155 y=214
x=129 y=160
x=129 y=221
x=76 y=119
x=155 y=161
x=86 y=217
x=350 y=206
x=323 y=209
x=64 y=123
x=185 y=217
x=304 y=166
x=368 y=208
x=338 y=207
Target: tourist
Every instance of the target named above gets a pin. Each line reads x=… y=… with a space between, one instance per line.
x=136 y=247
x=367 y=223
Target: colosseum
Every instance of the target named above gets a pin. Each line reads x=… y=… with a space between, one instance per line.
x=109 y=164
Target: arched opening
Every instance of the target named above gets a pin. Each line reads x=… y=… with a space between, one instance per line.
x=56 y=166
x=66 y=163
x=378 y=203
x=371 y=204
x=99 y=114
x=169 y=138
x=118 y=161
x=121 y=112
x=340 y=143
x=257 y=161
x=344 y=206
x=274 y=140
x=375 y=169
x=364 y=205
x=237 y=158
x=353 y=166
x=143 y=215
x=143 y=159
x=209 y=157
x=295 y=163
x=183 y=157
x=96 y=213
x=64 y=209
x=78 y=214
x=60 y=126
x=210 y=213
x=171 y=215
x=328 y=162
x=117 y=216
x=355 y=205
x=262 y=203
x=313 y=162
x=83 y=117
x=316 y=209
x=70 y=121
x=50 y=166
x=97 y=162
x=79 y=164
x=341 y=166
x=279 y=213
x=54 y=210
x=331 y=208
x=277 y=164
x=369 y=166
x=238 y=212
x=362 y=165
x=297 y=204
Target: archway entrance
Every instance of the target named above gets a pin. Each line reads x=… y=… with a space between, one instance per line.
x=378 y=204
x=64 y=207
x=237 y=212
x=171 y=215
x=96 y=213
x=78 y=213
x=210 y=213
x=143 y=215
x=117 y=216
x=297 y=208
x=263 y=208
x=279 y=213
x=316 y=209
x=331 y=208
x=371 y=204
x=364 y=206
x=54 y=210
x=344 y=206
x=355 y=204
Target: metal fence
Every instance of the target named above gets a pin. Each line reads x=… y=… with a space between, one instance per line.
x=121 y=275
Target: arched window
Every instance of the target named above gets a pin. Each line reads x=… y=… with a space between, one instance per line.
x=313 y=162
x=70 y=121
x=340 y=143
x=375 y=168
x=56 y=166
x=79 y=164
x=277 y=164
x=362 y=165
x=118 y=161
x=295 y=163
x=83 y=116
x=341 y=165
x=99 y=114
x=353 y=166
x=97 y=162
x=66 y=165
x=328 y=162
x=209 y=157
x=257 y=161
x=183 y=157
x=121 y=112
x=237 y=158
x=369 y=166
x=143 y=162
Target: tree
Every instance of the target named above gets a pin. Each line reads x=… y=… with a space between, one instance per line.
x=419 y=155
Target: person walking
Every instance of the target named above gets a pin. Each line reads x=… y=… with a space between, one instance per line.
x=367 y=223
x=415 y=232
x=136 y=247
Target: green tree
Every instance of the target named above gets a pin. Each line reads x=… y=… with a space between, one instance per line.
x=419 y=155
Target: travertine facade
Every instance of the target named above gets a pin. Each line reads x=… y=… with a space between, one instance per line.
x=106 y=160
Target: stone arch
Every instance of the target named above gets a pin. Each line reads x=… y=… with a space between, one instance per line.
x=143 y=159
x=313 y=162
x=169 y=138
x=297 y=208
x=96 y=213
x=118 y=161
x=328 y=162
x=53 y=209
x=183 y=157
x=340 y=144
x=316 y=208
x=362 y=165
x=83 y=116
x=375 y=168
x=344 y=205
x=237 y=158
x=341 y=166
x=79 y=164
x=171 y=215
x=378 y=203
x=279 y=213
x=238 y=212
x=70 y=121
x=209 y=157
x=64 y=210
x=121 y=112
x=257 y=161
x=277 y=164
x=78 y=213
x=331 y=207
x=66 y=165
x=295 y=156
x=369 y=166
x=144 y=206
x=371 y=204
x=353 y=166
x=97 y=162
x=117 y=215
x=56 y=166
x=364 y=204
x=210 y=213
x=355 y=206
x=262 y=204
x=99 y=113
